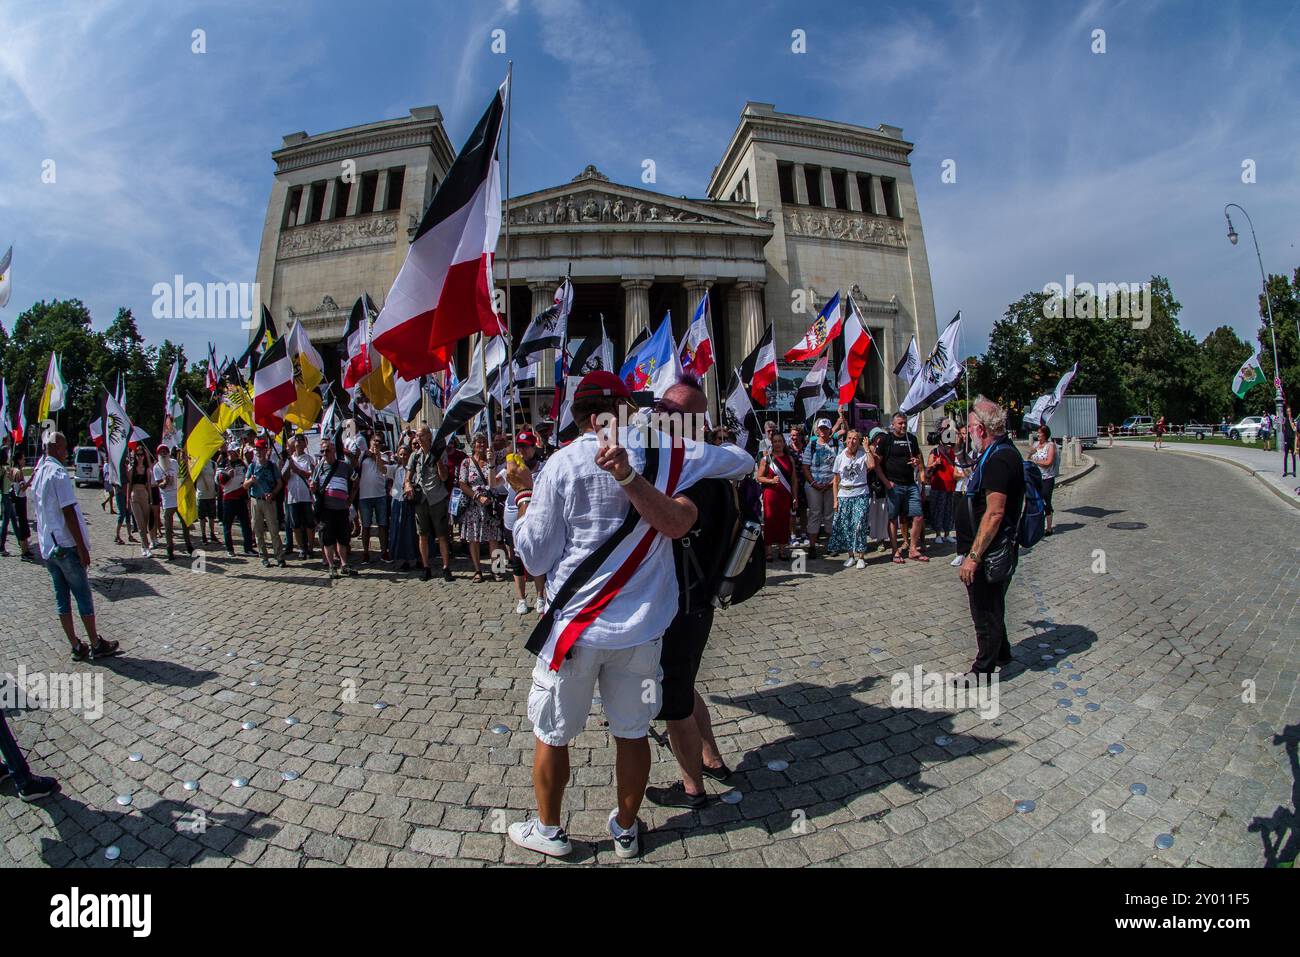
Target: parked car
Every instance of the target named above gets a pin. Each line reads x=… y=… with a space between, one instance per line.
x=85 y=466
x=1138 y=425
x=1247 y=430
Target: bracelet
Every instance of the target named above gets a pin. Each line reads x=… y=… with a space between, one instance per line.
x=631 y=477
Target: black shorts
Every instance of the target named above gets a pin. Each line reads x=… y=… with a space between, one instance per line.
x=335 y=526
x=207 y=509
x=301 y=515
x=432 y=520
x=683 y=649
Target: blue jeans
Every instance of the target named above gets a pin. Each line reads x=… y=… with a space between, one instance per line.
x=69 y=580
x=373 y=511
x=905 y=496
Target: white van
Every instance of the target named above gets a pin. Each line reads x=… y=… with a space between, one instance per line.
x=85 y=466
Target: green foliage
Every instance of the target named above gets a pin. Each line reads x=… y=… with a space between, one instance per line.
x=1159 y=369
x=90 y=360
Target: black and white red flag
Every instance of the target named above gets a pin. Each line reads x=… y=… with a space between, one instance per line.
x=273 y=388
x=444 y=290
x=758 y=371
x=815 y=390
x=851 y=354
x=356 y=343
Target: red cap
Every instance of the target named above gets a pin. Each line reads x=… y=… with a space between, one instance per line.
x=260 y=444
x=602 y=383
x=526 y=438
x=161 y=449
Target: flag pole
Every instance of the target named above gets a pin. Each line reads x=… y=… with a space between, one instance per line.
x=510 y=355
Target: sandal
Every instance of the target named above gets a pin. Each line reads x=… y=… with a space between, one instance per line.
x=478 y=578
x=105 y=649
x=899 y=559
x=919 y=558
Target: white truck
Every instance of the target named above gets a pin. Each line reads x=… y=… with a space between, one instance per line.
x=1075 y=418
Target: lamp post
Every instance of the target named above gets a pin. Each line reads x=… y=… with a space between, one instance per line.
x=1268 y=305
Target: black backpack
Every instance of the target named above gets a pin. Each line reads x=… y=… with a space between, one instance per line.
x=737 y=509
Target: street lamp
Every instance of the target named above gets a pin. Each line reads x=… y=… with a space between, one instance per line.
x=1268 y=304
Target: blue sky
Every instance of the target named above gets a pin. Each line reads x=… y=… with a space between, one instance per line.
x=1109 y=166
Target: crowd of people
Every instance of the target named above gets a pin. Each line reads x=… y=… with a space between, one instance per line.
x=629 y=548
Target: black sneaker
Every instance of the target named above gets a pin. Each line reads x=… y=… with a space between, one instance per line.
x=676 y=796
x=720 y=773
x=280 y=563
x=427 y=576
x=446 y=574
x=265 y=563
x=37 y=788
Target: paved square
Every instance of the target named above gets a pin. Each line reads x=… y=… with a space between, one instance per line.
x=373 y=703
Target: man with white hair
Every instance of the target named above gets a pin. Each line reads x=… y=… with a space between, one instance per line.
x=65 y=546
x=989 y=519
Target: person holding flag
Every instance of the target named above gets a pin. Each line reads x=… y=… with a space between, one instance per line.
x=166 y=472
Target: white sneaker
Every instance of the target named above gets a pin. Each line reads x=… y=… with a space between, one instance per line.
x=145 y=553
x=848 y=562
x=861 y=563
x=957 y=560
x=627 y=845
x=540 y=605
x=526 y=834
x=521 y=607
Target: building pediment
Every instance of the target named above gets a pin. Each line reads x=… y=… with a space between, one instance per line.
x=590 y=199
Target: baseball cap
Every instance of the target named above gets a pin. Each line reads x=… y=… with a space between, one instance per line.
x=602 y=383
x=161 y=449
x=526 y=438
x=874 y=432
x=823 y=424
x=261 y=444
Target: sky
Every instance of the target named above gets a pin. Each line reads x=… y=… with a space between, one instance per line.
x=1108 y=166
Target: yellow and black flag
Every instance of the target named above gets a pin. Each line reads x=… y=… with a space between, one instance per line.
x=236 y=400
x=265 y=335
x=307 y=375
x=201 y=441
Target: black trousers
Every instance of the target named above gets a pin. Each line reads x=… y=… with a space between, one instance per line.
x=988 y=610
x=236 y=510
x=13 y=756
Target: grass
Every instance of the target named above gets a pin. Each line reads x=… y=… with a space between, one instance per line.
x=1188 y=439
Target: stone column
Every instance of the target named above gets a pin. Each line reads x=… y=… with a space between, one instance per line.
x=800 y=185
x=543 y=298
x=877 y=196
x=381 y=190
x=304 y=204
x=828 y=190
x=327 y=207
x=354 y=195
x=696 y=289
x=636 y=310
x=751 y=317
x=851 y=186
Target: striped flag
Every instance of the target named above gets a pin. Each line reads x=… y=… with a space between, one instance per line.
x=273 y=388
x=443 y=292
x=55 y=392
x=758 y=371
x=824 y=328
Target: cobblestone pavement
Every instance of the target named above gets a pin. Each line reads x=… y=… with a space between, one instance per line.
x=1188 y=608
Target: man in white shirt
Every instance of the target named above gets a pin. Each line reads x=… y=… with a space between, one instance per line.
x=205 y=492
x=372 y=497
x=65 y=546
x=165 y=473
x=299 y=516
x=598 y=525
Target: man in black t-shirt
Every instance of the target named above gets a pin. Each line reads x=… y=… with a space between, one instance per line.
x=994 y=499
x=898 y=467
x=698 y=557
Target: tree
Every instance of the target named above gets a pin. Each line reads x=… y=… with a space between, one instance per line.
x=1221 y=353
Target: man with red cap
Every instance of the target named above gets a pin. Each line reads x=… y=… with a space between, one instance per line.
x=598 y=525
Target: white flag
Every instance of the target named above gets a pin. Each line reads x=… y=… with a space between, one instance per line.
x=6 y=281
x=936 y=380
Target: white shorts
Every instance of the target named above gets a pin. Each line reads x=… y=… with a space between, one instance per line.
x=630 y=691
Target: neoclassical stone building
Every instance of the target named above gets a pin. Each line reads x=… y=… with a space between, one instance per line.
x=797 y=208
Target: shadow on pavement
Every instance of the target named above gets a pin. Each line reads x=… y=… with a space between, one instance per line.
x=154 y=672
x=1281 y=832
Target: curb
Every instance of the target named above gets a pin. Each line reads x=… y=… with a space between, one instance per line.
x=1293 y=500
x=1078 y=473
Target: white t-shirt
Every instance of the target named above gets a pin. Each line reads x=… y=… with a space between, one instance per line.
x=166 y=479
x=852 y=470
x=205 y=483
x=296 y=490
x=373 y=476
x=52 y=491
